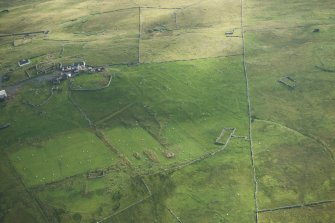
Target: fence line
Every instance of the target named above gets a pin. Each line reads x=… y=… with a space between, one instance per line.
x=104 y=140
x=151 y=7
x=325 y=69
x=192 y=59
x=94 y=89
x=40 y=104
x=130 y=206
x=289 y=27
x=317 y=140
x=249 y=114
x=24 y=34
x=134 y=7
x=82 y=112
x=174 y=215
x=139 y=35
x=296 y=206
x=203 y=157
x=39 y=204
x=114 y=114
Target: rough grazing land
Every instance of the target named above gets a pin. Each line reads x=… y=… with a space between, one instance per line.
x=138 y=142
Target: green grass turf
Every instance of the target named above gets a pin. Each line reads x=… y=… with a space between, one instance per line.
x=179 y=107
x=56 y=116
x=218 y=189
x=133 y=140
x=299 y=154
x=171 y=91
x=290 y=167
x=149 y=124
x=37 y=93
x=307 y=108
x=192 y=32
x=62 y=156
x=15 y=203
x=93 y=198
x=316 y=214
x=162 y=103
x=286 y=13
x=90 y=81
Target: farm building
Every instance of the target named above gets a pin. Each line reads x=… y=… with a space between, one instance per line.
x=3 y=95
x=24 y=62
x=76 y=67
x=70 y=71
x=80 y=65
x=229 y=33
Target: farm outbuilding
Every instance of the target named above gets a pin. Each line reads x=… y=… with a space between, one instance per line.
x=3 y=95
x=24 y=62
x=80 y=66
x=229 y=33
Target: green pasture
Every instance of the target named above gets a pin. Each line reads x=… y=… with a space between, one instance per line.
x=37 y=93
x=158 y=107
x=292 y=128
x=299 y=53
x=90 y=81
x=186 y=141
x=319 y=214
x=135 y=140
x=175 y=87
x=56 y=116
x=16 y=204
x=286 y=14
x=169 y=93
x=191 y=32
x=38 y=48
x=93 y=198
x=62 y=156
x=290 y=167
x=218 y=189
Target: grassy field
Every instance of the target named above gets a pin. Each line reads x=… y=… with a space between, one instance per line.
x=286 y=14
x=154 y=88
x=93 y=198
x=291 y=168
x=190 y=32
x=177 y=80
x=297 y=53
x=16 y=203
x=56 y=116
x=91 y=81
x=62 y=156
x=323 y=213
x=204 y=192
x=293 y=127
x=157 y=121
